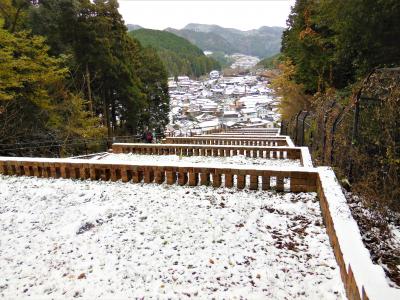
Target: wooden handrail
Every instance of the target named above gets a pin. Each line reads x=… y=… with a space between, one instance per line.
x=256 y=177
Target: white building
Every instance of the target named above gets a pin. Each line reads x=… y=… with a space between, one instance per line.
x=232 y=116
x=214 y=74
x=248 y=113
x=209 y=125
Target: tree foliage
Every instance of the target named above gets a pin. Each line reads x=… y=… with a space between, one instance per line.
x=76 y=59
x=341 y=56
x=34 y=98
x=333 y=43
x=292 y=97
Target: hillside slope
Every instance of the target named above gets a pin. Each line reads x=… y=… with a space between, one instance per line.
x=178 y=54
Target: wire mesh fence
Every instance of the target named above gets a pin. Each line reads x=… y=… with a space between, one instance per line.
x=360 y=139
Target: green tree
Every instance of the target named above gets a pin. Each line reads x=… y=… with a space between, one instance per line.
x=333 y=43
x=154 y=78
x=34 y=99
x=105 y=60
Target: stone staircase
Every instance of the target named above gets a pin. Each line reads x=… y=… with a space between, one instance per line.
x=254 y=143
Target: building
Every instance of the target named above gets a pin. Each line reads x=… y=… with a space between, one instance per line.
x=248 y=113
x=214 y=74
x=231 y=116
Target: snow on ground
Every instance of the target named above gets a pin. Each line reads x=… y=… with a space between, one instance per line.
x=236 y=160
x=70 y=238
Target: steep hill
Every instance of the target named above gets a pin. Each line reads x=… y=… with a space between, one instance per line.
x=205 y=40
x=262 y=42
x=178 y=54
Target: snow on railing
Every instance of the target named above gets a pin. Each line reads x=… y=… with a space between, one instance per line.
x=209 y=140
x=305 y=157
x=282 y=179
x=239 y=135
x=362 y=278
x=270 y=131
x=213 y=150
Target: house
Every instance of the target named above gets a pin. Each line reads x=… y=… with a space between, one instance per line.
x=209 y=107
x=232 y=116
x=209 y=125
x=214 y=74
x=248 y=113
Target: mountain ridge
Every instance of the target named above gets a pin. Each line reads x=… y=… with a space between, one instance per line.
x=177 y=53
x=262 y=42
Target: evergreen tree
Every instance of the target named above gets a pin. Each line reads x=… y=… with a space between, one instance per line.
x=106 y=61
x=155 y=86
x=91 y=70
x=34 y=100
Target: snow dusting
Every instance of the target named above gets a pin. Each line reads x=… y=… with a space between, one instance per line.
x=231 y=160
x=70 y=238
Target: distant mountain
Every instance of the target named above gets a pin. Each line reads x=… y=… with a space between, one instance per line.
x=205 y=40
x=262 y=42
x=178 y=54
x=133 y=27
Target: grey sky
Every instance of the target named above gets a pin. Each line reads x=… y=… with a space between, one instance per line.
x=235 y=14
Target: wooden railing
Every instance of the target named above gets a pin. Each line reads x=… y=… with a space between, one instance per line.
x=266 y=130
x=267 y=141
x=242 y=135
x=269 y=130
x=287 y=179
x=209 y=150
x=362 y=279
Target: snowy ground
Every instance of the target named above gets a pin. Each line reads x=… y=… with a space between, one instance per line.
x=236 y=160
x=71 y=238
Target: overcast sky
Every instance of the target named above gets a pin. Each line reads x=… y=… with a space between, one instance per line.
x=235 y=14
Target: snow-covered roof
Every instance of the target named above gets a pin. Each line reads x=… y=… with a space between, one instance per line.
x=255 y=120
x=229 y=123
x=248 y=111
x=231 y=113
x=212 y=123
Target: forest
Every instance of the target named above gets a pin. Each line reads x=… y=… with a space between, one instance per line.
x=178 y=54
x=71 y=76
x=339 y=85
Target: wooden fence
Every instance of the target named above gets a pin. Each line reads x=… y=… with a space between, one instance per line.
x=209 y=150
x=270 y=131
x=287 y=179
x=267 y=141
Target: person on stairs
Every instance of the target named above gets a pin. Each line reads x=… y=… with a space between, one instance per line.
x=147 y=136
